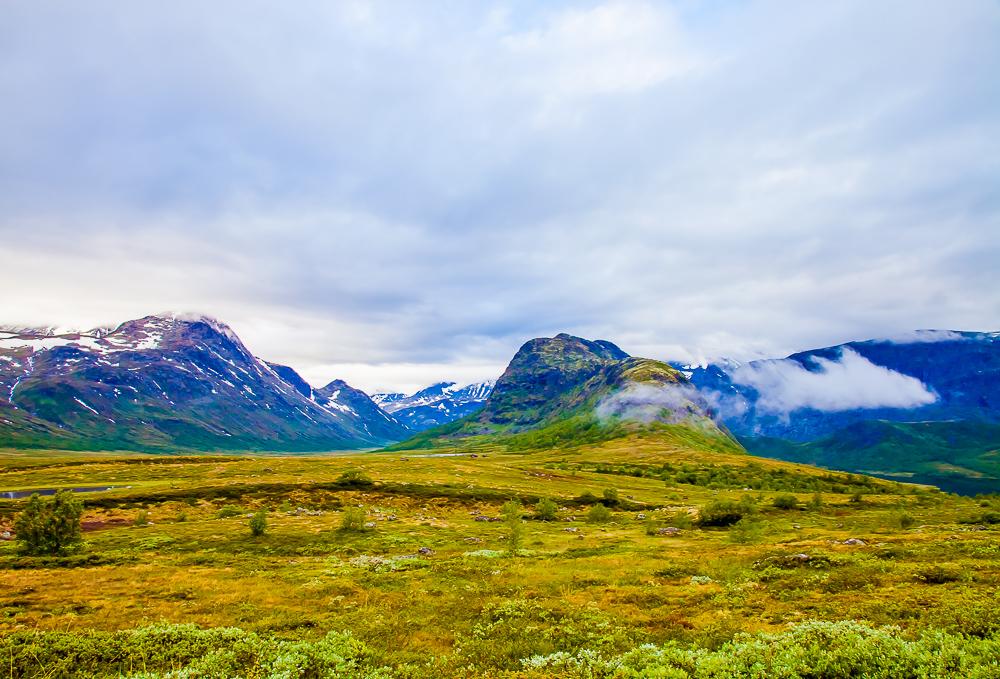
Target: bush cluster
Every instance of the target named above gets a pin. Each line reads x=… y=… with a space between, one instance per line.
x=49 y=527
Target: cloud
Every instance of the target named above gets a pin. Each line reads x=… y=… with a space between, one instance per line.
x=647 y=403
x=357 y=186
x=846 y=384
x=924 y=337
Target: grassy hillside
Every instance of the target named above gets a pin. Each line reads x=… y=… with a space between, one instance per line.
x=960 y=456
x=431 y=584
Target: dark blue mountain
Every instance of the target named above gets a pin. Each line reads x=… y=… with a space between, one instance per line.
x=888 y=406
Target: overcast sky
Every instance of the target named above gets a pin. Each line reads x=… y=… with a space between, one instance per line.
x=397 y=193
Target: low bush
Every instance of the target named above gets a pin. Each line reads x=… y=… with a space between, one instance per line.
x=353 y=520
x=258 y=523
x=229 y=511
x=725 y=512
x=938 y=575
x=785 y=502
x=599 y=514
x=355 y=478
x=610 y=498
x=49 y=527
x=819 y=650
x=546 y=510
x=181 y=651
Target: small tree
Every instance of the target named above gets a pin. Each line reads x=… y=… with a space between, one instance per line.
x=545 y=510
x=50 y=527
x=355 y=478
x=142 y=518
x=816 y=503
x=353 y=520
x=515 y=526
x=598 y=514
x=786 y=502
x=258 y=523
x=745 y=531
x=611 y=497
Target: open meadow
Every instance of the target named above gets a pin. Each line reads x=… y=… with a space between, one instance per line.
x=422 y=560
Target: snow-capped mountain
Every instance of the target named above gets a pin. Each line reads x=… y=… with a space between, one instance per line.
x=437 y=404
x=166 y=382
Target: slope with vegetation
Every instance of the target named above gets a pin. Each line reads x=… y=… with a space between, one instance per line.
x=631 y=557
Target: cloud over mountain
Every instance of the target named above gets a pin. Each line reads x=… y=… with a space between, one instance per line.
x=850 y=382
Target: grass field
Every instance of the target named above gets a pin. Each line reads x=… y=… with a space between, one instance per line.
x=430 y=586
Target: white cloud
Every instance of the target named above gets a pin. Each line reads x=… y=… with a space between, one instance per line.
x=924 y=337
x=358 y=186
x=646 y=403
x=845 y=384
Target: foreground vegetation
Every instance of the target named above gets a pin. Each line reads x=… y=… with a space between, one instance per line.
x=632 y=557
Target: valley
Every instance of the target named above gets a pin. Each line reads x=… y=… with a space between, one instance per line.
x=430 y=584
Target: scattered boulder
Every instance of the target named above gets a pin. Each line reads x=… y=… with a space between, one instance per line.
x=425 y=551
x=572 y=529
x=854 y=542
x=640 y=517
x=669 y=530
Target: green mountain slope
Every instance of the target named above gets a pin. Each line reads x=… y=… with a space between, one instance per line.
x=960 y=456
x=566 y=391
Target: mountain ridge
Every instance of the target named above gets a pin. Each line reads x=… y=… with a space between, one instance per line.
x=164 y=382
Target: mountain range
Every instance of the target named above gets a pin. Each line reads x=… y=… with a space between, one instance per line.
x=923 y=407
x=435 y=405
x=167 y=382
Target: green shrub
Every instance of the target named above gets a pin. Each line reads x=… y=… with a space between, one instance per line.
x=816 y=502
x=587 y=498
x=142 y=518
x=725 y=512
x=785 y=502
x=49 y=527
x=181 y=517
x=904 y=520
x=610 y=497
x=355 y=478
x=353 y=520
x=938 y=575
x=816 y=649
x=258 y=522
x=679 y=520
x=511 y=510
x=176 y=651
x=599 y=514
x=229 y=511
x=746 y=531
x=546 y=510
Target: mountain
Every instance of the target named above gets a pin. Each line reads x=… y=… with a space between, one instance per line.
x=925 y=404
x=167 y=382
x=437 y=404
x=566 y=391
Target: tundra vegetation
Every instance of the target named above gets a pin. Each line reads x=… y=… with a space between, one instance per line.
x=634 y=558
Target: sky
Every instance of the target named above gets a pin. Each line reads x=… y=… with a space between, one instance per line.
x=401 y=193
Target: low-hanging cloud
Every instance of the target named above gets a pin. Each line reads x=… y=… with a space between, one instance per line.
x=924 y=337
x=646 y=403
x=845 y=384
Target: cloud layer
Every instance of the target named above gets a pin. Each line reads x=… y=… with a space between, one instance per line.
x=849 y=383
x=360 y=187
